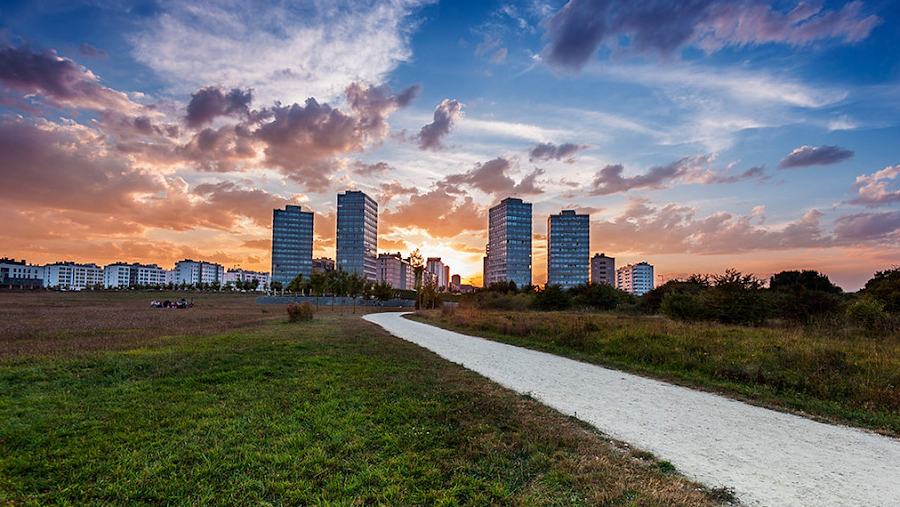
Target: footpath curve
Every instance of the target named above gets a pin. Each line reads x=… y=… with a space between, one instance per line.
x=769 y=458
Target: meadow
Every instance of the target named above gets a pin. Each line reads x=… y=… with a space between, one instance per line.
x=833 y=373
x=106 y=401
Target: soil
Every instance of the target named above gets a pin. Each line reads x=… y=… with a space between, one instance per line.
x=767 y=458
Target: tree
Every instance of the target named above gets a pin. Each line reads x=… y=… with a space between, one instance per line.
x=885 y=287
x=383 y=291
x=694 y=285
x=356 y=285
x=317 y=284
x=600 y=296
x=276 y=286
x=430 y=297
x=418 y=264
x=294 y=285
x=803 y=296
x=553 y=297
x=735 y=298
x=337 y=284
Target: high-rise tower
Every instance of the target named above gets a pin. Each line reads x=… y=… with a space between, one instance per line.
x=357 y=234
x=568 y=249
x=509 y=243
x=292 y=244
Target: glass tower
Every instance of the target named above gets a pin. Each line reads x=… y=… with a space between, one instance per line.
x=357 y=234
x=509 y=243
x=568 y=249
x=292 y=244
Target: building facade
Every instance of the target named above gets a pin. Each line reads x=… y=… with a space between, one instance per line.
x=397 y=271
x=71 y=276
x=191 y=272
x=635 y=278
x=19 y=275
x=234 y=275
x=508 y=253
x=603 y=269
x=357 y=234
x=292 y=244
x=568 y=249
x=438 y=268
x=322 y=265
x=121 y=275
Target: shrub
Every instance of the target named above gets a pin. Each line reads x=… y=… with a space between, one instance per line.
x=683 y=306
x=885 y=287
x=600 y=296
x=736 y=298
x=553 y=297
x=868 y=313
x=300 y=313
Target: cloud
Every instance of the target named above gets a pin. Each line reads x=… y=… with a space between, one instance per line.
x=609 y=179
x=868 y=227
x=429 y=138
x=806 y=156
x=662 y=28
x=211 y=102
x=550 y=151
x=374 y=103
x=60 y=80
x=873 y=189
x=438 y=213
x=284 y=52
x=673 y=228
x=371 y=170
x=89 y=51
x=491 y=178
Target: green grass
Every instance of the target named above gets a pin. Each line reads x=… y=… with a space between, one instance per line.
x=332 y=412
x=844 y=375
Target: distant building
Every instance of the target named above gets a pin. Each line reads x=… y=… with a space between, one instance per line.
x=235 y=275
x=603 y=269
x=19 y=275
x=322 y=265
x=395 y=270
x=357 y=234
x=71 y=276
x=192 y=272
x=120 y=275
x=455 y=283
x=435 y=266
x=508 y=253
x=635 y=278
x=292 y=244
x=568 y=249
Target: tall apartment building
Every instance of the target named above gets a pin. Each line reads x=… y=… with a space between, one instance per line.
x=635 y=278
x=397 y=271
x=121 y=275
x=196 y=272
x=71 y=276
x=17 y=274
x=508 y=253
x=292 y=244
x=357 y=234
x=603 y=269
x=442 y=271
x=568 y=249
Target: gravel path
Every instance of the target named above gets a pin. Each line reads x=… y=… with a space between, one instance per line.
x=769 y=458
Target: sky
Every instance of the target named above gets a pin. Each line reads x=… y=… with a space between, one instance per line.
x=700 y=135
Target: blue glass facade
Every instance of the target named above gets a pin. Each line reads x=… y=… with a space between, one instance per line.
x=568 y=249
x=509 y=243
x=292 y=244
x=357 y=234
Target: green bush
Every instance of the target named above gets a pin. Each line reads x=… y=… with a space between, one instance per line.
x=868 y=313
x=683 y=306
x=553 y=297
x=300 y=313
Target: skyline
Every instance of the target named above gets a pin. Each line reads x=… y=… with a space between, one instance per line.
x=699 y=136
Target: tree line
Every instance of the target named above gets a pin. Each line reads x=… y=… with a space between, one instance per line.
x=796 y=297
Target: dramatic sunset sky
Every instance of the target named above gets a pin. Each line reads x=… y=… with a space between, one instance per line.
x=700 y=135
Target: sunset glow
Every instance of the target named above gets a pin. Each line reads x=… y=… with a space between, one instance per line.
x=761 y=136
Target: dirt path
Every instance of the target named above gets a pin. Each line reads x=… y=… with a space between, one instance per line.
x=769 y=458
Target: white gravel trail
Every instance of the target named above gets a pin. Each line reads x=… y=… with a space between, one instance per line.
x=769 y=458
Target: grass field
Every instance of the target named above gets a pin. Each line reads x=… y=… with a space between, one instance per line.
x=844 y=375
x=105 y=401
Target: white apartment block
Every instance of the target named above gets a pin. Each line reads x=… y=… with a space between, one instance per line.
x=196 y=272
x=395 y=270
x=17 y=274
x=71 y=276
x=435 y=266
x=635 y=278
x=241 y=275
x=121 y=275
